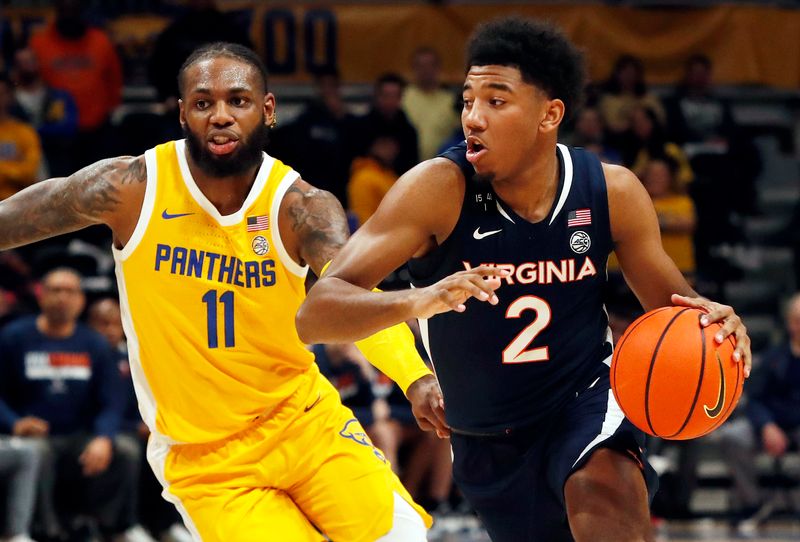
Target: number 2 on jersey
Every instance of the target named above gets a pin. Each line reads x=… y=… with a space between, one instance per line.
x=515 y=351
x=210 y=299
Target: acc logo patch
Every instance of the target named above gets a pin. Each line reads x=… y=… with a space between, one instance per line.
x=260 y=245
x=580 y=242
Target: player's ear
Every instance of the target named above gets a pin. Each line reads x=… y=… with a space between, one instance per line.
x=181 y=112
x=553 y=115
x=269 y=110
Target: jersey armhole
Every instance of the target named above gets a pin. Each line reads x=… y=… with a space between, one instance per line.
x=147 y=208
x=287 y=261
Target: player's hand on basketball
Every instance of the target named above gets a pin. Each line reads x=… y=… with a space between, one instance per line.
x=774 y=439
x=427 y=405
x=96 y=456
x=731 y=325
x=452 y=292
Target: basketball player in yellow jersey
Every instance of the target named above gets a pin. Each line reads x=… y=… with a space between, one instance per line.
x=213 y=240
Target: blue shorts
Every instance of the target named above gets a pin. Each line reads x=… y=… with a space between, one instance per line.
x=516 y=482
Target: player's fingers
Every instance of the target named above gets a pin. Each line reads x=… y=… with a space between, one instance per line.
x=489 y=271
x=472 y=285
x=452 y=300
x=729 y=327
x=685 y=301
x=437 y=412
x=717 y=313
x=742 y=352
x=423 y=423
x=480 y=288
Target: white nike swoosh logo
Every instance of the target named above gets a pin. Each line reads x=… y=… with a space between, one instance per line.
x=479 y=235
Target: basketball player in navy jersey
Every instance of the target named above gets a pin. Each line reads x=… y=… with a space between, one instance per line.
x=508 y=236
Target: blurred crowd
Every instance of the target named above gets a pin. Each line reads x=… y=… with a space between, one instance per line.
x=72 y=444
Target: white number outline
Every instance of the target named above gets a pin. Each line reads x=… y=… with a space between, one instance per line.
x=515 y=351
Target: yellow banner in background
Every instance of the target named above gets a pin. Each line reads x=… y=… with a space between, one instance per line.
x=748 y=44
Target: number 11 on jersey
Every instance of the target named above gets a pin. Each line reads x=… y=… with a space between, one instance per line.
x=226 y=299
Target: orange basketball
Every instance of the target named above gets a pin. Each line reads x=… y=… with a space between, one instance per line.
x=670 y=377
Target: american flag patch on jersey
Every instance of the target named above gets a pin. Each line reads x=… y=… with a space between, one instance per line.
x=579 y=217
x=258 y=223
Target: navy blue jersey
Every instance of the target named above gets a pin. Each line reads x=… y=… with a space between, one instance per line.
x=511 y=365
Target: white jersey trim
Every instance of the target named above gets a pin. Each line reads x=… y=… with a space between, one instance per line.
x=146 y=212
x=157 y=452
x=144 y=395
x=202 y=200
x=613 y=419
x=567 y=181
x=287 y=261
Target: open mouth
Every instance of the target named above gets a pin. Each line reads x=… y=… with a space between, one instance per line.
x=475 y=149
x=222 y=144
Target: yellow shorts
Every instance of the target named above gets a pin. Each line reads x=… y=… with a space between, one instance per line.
x=308 y=464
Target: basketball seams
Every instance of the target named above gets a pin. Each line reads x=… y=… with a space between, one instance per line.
x=699 y=380
x=628 y=332
x=618 y=349
x=650 y=371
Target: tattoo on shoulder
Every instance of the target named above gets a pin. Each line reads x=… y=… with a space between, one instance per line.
x=320 y=223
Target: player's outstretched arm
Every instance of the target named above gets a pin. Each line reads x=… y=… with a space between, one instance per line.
x=313 y=229
x=417 y=214
x=649 y=271
x=101 y=193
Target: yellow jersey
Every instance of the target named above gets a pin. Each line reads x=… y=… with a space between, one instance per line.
x=208 y=303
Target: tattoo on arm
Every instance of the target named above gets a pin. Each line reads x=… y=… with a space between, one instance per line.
x=320 y=224
x=89 y=196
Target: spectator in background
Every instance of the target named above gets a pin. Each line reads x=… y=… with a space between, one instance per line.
x=20 y=150
x=321 y=142
x=649 y=141
x=773 y=409
x=620 y=95
x=201 y=22
x=696 y=115
x=58 y=387
x=428 y=104
x=82 y=60
x=372 y=176
x=675 y=210
x=590 y=133
x=157 y=515
x=51 y=111
x=722 y=155
x=19 y=467
x=386 y=116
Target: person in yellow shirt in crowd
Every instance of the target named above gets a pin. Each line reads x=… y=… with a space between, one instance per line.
x=428 y=104
x=20 y=149
x=372 y=176
x=675 y=211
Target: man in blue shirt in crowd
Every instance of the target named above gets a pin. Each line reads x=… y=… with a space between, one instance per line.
x=59 y=388
x=773 y=410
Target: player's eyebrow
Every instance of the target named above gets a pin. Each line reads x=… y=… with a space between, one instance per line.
x=501 y=86
x=234 y=90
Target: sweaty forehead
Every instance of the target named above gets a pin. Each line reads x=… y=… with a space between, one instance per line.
x=220 y=74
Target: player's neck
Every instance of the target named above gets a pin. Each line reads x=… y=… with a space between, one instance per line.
x=531 y=191
x=227 y=194
x=794 y=346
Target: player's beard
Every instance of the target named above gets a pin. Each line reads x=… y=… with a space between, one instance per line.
x=244 y=158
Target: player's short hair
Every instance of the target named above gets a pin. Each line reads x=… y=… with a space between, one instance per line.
x=227 y=50
x=541 y=52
